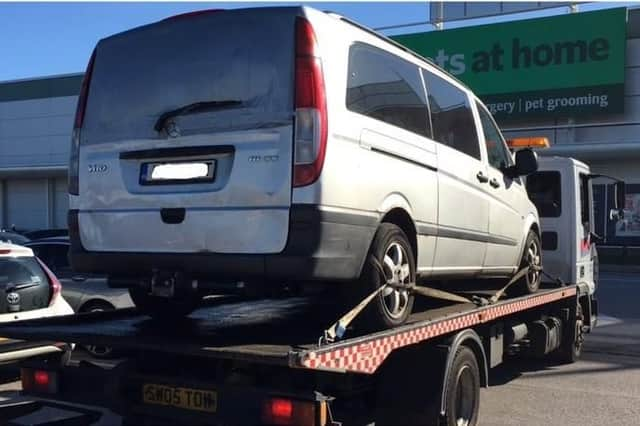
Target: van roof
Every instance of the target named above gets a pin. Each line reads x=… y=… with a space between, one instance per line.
x=328 y=13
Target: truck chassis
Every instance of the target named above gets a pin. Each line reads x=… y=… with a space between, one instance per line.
x=264 y=362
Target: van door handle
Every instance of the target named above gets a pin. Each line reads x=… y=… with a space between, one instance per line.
x=482 y=177
x=494 y=183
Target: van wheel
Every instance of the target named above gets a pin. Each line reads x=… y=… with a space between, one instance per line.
x=531 y=256
x=391 y=248
x=161 y=307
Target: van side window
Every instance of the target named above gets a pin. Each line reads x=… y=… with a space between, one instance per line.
x=451 y=115
x=497 y=152
x=387 y=88
x=545 y=193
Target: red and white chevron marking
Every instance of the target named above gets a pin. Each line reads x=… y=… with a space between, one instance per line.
x=366 y=357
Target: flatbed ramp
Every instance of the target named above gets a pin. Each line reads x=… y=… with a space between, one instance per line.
x=282 y=332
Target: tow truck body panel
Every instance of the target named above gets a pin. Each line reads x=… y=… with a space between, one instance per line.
x=248 y=352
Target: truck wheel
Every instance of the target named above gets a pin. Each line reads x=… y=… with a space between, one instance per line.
x=532 y=257
x=161 y=307
x=463 y=389
x=391 y=248
x=571 y=349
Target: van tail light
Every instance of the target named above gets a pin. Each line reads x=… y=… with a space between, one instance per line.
x=39 y=381
x=56 y=287
x=81 y=107
x=284 y=411
x=311 y=108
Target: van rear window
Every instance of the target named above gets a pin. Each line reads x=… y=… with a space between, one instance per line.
x=239 y=55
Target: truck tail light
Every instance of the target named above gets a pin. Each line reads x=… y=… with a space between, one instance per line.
x=39 y=381
x=283 y=411
x=311 y=107
x=74 y=156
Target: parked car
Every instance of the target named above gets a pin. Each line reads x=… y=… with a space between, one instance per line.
x=28 y=289
x=83 y=292
x=294 y=146
x=13 y=237
x=46 y=233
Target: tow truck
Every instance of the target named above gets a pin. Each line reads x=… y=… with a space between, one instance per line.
x=286 y=361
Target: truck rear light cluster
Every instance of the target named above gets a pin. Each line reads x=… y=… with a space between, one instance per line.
x=74 y=156
x=56 y=287
x=311 y=107
x=39 y=381
x=284 y=411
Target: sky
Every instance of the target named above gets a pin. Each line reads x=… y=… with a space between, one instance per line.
x=40 y=39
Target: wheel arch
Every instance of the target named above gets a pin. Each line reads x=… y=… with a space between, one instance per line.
x=472 y=340
x=401 y=218
x=96 y=301
x=531 y=224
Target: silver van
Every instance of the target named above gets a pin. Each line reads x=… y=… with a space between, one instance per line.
x=282 y=145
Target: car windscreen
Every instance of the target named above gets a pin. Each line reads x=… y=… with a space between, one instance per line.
x=239 y=55
x=24 y=283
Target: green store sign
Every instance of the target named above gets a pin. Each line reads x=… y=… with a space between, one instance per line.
x=567 y=65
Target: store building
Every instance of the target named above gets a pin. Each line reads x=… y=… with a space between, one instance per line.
x=572 y=77
x=596 y=119
x=36 y=119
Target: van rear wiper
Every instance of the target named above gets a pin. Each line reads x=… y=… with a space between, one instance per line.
x=192 y=108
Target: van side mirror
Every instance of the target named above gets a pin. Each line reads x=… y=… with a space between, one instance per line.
x=526 y=163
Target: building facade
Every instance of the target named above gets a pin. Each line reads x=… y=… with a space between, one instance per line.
x=36 y=119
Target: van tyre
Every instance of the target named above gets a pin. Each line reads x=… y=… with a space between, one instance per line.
x=392 y=307
x=531 y=256
x=463 y=389
x=163 y=307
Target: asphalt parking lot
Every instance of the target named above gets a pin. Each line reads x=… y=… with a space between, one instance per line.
x=602 y=388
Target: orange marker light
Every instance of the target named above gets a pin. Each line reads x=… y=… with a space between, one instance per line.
x=534 y=142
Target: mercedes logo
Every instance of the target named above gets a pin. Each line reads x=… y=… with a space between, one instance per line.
x=173 y=131
x=13 y=298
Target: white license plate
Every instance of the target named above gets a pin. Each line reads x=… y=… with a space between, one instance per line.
x=185 y=172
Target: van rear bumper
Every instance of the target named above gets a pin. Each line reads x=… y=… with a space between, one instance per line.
x=322 y=245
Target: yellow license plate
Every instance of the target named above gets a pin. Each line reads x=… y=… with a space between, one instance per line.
x=187 y=398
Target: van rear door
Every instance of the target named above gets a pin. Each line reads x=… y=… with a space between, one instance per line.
x=213 y=174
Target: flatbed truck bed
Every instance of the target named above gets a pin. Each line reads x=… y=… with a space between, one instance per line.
x=264 y=362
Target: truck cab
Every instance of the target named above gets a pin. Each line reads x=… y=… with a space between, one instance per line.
x=562 y=192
